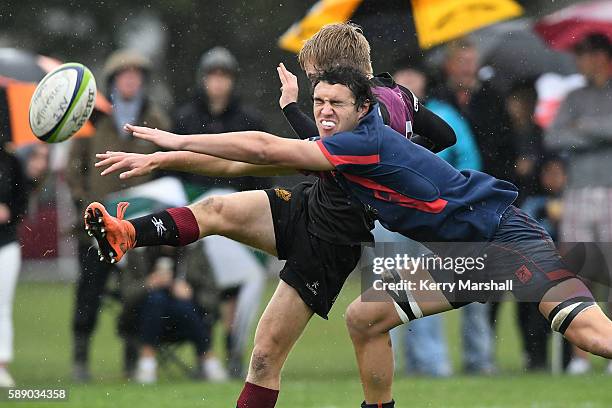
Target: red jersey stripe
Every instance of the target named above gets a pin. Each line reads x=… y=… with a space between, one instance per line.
x=337 y=160
x=386 y=194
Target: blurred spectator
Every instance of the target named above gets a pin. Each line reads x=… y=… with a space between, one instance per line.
x=15 y=186
x=169 y=296
x=521 y=104
x=583 y=129
x=546 y=208
x=424 y=344
x=480 y=104
x=215 y=108
x=126 y=73
x=475 y=112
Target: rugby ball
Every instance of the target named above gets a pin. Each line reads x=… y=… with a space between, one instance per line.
x=62 y=102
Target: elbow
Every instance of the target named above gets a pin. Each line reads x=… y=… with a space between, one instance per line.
x=268 y=151
x=264 y=151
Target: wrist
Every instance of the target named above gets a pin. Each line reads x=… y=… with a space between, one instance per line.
x=183 y=142
x=160 y=160
x=289 y=105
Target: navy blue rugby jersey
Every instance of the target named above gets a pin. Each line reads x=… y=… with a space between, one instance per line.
x=411 y=190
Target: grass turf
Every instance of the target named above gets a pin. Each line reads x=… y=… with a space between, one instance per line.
x=320 y=372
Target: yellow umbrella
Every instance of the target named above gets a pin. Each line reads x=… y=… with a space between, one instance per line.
x=322 y=13
x=436 y=21
x=439 y=21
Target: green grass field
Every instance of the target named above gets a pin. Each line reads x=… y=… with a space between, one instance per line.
x=320 y=372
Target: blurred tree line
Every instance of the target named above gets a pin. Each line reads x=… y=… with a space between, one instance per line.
x=176 y=32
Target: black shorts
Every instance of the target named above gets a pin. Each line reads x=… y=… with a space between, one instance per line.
x=315 y=268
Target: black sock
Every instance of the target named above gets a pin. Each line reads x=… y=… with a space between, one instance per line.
x=390 y=404
x=156 y=229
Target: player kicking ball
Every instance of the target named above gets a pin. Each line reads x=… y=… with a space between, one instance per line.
x=408 y=188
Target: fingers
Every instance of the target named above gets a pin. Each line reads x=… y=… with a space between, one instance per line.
x=114 y=167
x=139 y=131
x=109 y=158
x=107 y=162
x=143 y=135
x=129 y=174
x=289 y=77
x=281 y=75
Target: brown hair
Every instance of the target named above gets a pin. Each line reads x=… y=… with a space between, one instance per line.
x=337 y=44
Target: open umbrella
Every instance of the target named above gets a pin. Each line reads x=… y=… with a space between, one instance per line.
x=439 y=21
x=514 y=53
x=20 y=71
x=436 y=21
x=565 y=28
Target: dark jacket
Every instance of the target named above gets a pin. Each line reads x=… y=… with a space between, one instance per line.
x=486 y=114
x=194 y=117
x=14 y=189
x=191 y=264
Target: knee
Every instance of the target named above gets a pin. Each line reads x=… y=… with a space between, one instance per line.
x=266 y=360
x=210 y=212
x=599 y=344
x=358 y=323
x=210 y=206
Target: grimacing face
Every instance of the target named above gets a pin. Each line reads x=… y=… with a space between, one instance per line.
x=334 y=109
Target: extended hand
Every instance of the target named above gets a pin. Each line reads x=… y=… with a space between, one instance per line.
x=161 y=138
x=136 y=164
x=289 y=86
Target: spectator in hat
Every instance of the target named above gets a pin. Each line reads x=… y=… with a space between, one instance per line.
x=216 y=108
x=126 y=73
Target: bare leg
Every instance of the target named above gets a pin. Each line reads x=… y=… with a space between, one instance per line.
x=279 y=327
x=244 y=217
x=591 y=330
x=368 y=324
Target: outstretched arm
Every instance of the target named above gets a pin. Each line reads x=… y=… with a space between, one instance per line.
x=248 y=146
x=134 y=165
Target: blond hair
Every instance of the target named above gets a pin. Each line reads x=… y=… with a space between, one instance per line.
x=339 y=44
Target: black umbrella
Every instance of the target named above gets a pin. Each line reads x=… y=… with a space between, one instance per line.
x=511 y=52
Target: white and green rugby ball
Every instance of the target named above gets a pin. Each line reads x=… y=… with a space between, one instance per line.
x=62 y=102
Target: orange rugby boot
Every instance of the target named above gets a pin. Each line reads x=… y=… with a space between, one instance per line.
x=115 y=235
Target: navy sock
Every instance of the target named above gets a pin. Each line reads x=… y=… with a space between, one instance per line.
x=174 y=227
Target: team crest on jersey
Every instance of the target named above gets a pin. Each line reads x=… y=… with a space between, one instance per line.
x=283 y=194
